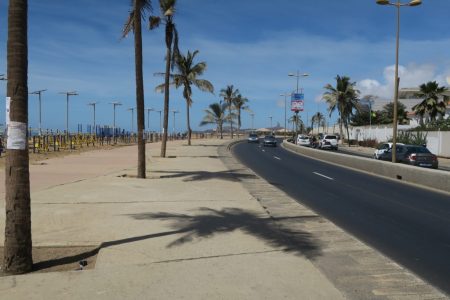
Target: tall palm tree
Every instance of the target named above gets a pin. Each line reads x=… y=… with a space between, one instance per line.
x=187 y=75
x=167 y=8
x=433 y=102
x=317 y=118
x=17 y=256
x=216 y=114
x=297 y=122
x=228 y=94
x=239 y=104
x=344 y=99
x=139 y=9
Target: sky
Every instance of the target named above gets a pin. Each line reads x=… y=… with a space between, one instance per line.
x=251 y=44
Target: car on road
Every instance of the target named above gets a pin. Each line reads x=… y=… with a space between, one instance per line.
x=303 y=140
x=383 y=147
x=328 y=141
x=269 y=140
x=413 y=155
x=253 y=138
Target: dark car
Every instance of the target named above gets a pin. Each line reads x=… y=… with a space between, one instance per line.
x=413 y=155
x=253 y=138
x=270 y=140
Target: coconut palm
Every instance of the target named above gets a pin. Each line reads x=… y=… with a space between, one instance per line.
x=344 y=99
x=216 y=114
x=319 y=119
x=187 y=75
x=239 y=104
x=17 y=257
x=167 y=8
x=229 y=94
x=297 y=122
x=139 y=9
x=433 y=101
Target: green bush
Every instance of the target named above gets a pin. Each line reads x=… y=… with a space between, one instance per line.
x=412 y=137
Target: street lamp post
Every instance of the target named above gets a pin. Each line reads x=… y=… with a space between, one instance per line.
x=93 y=104
x=148 y=117
x=160 y=122
x=132 y=118
x=285 y=113
x=297 y=75
x=68 y=94
x=114 y=104
x=271 y=128
x=253 y=117
x=174 y=112
x=397 y=4
x=40 y=111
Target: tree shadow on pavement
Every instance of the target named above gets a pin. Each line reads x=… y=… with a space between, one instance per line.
x=210 y=222
x=229 y=175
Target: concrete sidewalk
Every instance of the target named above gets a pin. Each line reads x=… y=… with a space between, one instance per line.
x=189 y=231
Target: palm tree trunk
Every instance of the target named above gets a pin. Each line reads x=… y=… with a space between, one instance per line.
x=188 y=122
x=239 y=122
x=166 y=103
x=141 y=172
x=18 y=244
x=221 y=131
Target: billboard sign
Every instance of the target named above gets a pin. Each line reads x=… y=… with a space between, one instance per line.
x=297 y=102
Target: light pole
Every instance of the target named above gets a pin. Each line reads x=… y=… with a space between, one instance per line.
x=397 y=4
x=93 y=104
x=40 y=112
x=270 y=117
x=132 y=118
x=253 y=117
x=174 y=112
x=148 y=117
x=298 y=75
x=114 y=104
x=285 y=113
x=160 y=124
x=74 y=93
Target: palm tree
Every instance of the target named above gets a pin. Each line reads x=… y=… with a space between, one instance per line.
x=140 y=7
x=228 y=94
x=167 y=8
x=17 y=257
x=186 y=77
x=239 y=104
x=433 y=102
x=318 y=118
x=344 y=99
x=216 y=114
x=297 y=122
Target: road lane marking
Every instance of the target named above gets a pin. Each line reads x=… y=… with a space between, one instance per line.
x=277 y=157
x=323 y=176
x=263 y=150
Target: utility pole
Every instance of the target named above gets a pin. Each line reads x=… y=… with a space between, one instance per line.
x=73 y=93
x=93 y=104
x=114 y=104
x=160 y=124
x=148 y=117
x=40 y=111
x=174 y=112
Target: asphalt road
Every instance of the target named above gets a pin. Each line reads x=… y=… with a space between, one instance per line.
x=410 y=225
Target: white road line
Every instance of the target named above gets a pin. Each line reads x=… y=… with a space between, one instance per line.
x=277 y=158
x=263 y=150
x=323 y=176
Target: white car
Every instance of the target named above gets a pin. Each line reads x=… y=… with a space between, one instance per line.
x=328 y=142
x=382 y=148
x=303 y=140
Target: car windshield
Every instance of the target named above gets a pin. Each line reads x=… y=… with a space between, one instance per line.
x=269 y=137
x=331 y=137
x=253 y=135
x=418 y=150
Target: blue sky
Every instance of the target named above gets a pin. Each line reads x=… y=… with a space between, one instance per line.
x=252 y=44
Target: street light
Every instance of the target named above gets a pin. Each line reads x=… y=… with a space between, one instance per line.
x=132 y=117
x=285 y=115
x=114 y=104
x=40 y=114
x=160 y=124
x=174 y=112
x=148 y=117
x=271 y=128
x=93 y=104
x=298 y=75
x=73 y=93
x=397 y=4
x=253 y=117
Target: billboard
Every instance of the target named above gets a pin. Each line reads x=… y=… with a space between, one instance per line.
x=297 y=102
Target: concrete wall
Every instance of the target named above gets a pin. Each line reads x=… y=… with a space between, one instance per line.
x=436 y=179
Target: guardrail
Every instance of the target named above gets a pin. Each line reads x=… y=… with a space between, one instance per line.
x=435 y=179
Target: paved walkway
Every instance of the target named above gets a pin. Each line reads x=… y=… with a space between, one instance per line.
x=190 y=231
